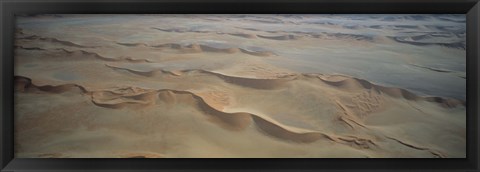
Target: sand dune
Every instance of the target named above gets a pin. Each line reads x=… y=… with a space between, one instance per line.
x=84 y=55
x=29 y=48
x=129 y=97
x=239 y=86
x=244 y=35
x=436 y=153
x=25 y=84
x=246 y=82
x=458 y=45
x=198 y=48
x=140 y=98
x=287 y=35
x=54 y=41
x=340 y=82
x=282 y=37
x=355 y=83
x=434 y=69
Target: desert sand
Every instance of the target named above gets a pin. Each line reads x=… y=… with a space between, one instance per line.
x=240 y=86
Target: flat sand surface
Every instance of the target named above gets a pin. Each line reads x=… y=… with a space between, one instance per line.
x=240 y=86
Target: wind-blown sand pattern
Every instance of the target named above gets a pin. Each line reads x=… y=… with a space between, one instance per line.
x=270 y=86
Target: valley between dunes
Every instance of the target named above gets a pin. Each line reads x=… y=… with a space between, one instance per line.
x=103 y=97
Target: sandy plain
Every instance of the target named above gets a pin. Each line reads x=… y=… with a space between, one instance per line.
x=271 y=86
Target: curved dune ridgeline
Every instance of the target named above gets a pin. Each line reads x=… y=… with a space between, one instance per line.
x=24 y=84
x=138 y=98
x=244 y=35
x=54 y=40
x=353 y=83
x=282 y=37
x=352 y=116
x=199 y=47
x=344 y=83
x=246 y=82
x=287 y=35
x=413 y=41
x=134 y=97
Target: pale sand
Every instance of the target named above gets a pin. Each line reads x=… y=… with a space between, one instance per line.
x=98 y=95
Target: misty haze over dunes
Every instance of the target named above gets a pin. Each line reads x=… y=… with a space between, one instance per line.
x=270 y=86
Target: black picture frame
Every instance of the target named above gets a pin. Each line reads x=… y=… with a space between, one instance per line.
x=10 y=8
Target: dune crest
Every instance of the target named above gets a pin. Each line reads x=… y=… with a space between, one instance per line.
x=132 y=97
x=55 y=40
x=355 y=83
x=200 y=47
x=339 y=82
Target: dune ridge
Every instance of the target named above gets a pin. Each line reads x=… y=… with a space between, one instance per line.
x=198 y=48
x=289 y=35
x=180 y=30
x=244 y=35
x=88 y=55
x=131 y=97
x=432 y=68
x=351 y=36
x=280 y=37
x=352 y=83
x=455 y=45
x=30 y=48
x=55 y=40
x=433 y=152
x=25 y=84
x=345 y=83
x=246 y=82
